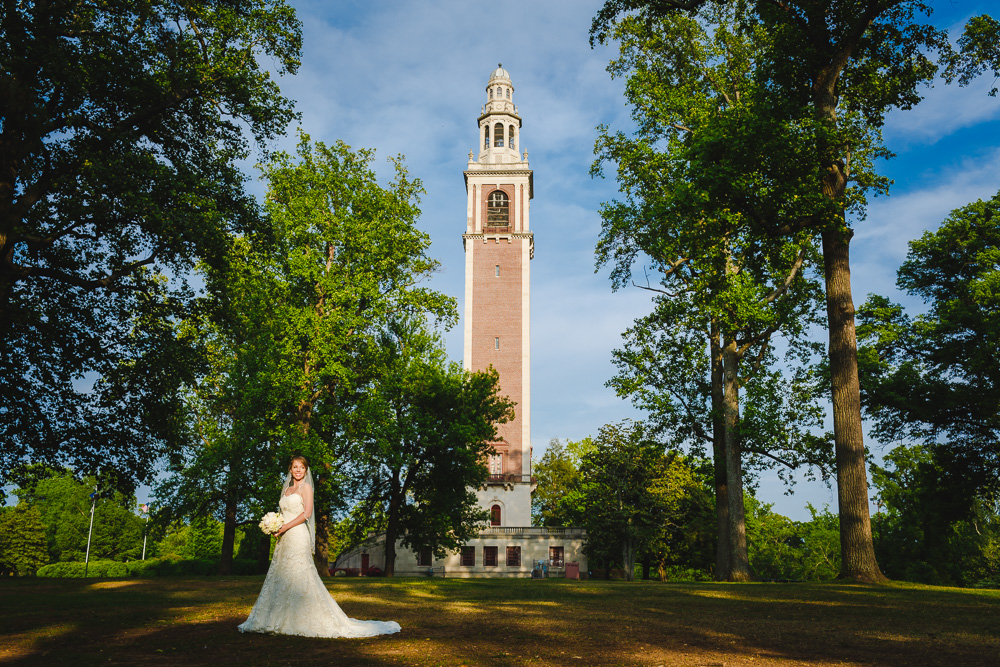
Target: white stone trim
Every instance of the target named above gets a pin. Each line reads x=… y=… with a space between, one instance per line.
x=526 y=253
x=470 y=249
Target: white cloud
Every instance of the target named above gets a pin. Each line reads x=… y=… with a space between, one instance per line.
x=944 y=110
x=881 y=242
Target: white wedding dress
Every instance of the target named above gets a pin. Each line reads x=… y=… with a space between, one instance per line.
x=293 y=600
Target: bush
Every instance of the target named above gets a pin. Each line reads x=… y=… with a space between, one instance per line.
x=679 y=573
x=152 y=567
x=97 y=568
x=173 y=567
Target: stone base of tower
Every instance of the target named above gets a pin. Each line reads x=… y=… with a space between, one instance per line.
x=508 y=499
x=519 y=552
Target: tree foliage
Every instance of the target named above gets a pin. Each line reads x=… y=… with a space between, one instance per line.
x=931 y=526
x=786 y=550
x=22 y=540
x=64 y=505
x=935 y=377
x=556 y=498
x=723 y=292
x=630 y=494
x=799 y=154
x=222 y=462
x=294 y=338
x=426 y=428
x=121 y=123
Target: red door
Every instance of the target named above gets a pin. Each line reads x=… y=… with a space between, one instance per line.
x=364 y=564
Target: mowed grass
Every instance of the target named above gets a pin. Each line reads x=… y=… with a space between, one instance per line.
x=505 y=622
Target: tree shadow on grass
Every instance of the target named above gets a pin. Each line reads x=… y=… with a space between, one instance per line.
x=506 y=622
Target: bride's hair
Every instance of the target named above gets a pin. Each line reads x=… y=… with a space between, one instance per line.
x=308 y=480
x=298 y=458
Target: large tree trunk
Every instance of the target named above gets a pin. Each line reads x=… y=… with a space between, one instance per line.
x=739 y=560
x=321 y=557
x=628 y=559
x=228 y=538
x=263 y=554
x=722 y=567
x=647 y=563
x=392 y=528
x=856 y=548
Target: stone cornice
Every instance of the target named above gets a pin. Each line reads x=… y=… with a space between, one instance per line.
x=509 y=114
x=508 y=236
x=509 y=169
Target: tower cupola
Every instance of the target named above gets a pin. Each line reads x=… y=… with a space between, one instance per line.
x=499 y=124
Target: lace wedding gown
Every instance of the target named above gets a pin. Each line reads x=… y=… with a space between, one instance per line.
x=293 y=600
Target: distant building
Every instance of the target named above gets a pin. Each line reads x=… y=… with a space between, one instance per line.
x=499 y=246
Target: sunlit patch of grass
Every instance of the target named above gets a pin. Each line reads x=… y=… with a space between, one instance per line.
x=113 y=583
x=23 y=644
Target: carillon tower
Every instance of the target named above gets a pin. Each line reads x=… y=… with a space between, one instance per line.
x=498 y=249
x=499 y=246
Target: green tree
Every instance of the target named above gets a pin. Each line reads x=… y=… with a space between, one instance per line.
x=64 y=504
x=222 y=463
x=935 y=378
x=932 y=527
x=724 y=293
x=626 y=495
x=173 y=542
x=783 y=549
x=305 y=311
x=799 y=158
x=204 y=539
x=687 y=538
x=428 y=426
x=121 y=123
x=557 y=474
x=23 y=548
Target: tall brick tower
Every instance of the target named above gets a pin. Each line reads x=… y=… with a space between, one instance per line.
x=499 y=246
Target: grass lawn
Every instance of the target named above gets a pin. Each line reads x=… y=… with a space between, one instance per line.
x=505 y=622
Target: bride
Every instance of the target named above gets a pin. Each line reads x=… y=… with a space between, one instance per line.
x=293 y=600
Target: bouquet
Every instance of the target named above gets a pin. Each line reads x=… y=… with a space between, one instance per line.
x=271 y=523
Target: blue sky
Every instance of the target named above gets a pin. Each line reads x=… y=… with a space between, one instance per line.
x=409 y=78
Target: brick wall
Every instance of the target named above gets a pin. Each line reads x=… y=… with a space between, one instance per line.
x=496 y=313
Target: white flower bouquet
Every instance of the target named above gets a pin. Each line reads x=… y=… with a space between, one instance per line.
x=271 y=523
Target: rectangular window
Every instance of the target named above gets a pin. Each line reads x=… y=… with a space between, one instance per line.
x=498 y=270
x=468 y=556
x=425 y=558
x=496 y=343
x=496 y=464
x=513 y=556
x=489 y=556
x=556 y=557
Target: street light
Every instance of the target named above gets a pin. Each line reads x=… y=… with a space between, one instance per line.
x=86 y=563
x=145 y=531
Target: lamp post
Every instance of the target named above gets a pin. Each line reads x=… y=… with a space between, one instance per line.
x=86 y=563
x=145 y=529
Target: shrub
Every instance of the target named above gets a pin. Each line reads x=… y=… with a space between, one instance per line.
x=97 y=568
x=152 y=567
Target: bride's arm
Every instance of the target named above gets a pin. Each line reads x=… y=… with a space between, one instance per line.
x=307 y=509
